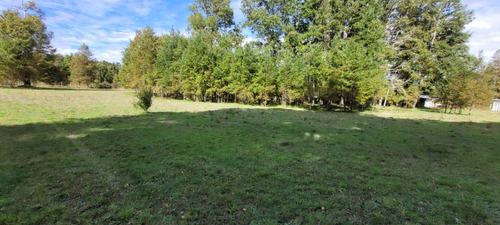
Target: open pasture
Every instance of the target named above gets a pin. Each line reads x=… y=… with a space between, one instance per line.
x=77 y=156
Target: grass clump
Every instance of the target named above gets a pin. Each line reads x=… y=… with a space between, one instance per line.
x=145 y=99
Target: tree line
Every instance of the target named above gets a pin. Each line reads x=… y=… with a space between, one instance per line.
x=26 y=54
x=315 y=53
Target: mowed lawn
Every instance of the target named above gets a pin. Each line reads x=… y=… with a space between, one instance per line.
x=82 y=157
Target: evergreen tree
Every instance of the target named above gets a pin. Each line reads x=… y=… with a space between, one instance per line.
x=105 y=74
x=318 y=53
x=58 y=72
x=83 y=67
x=139 y=60
x=493 y=71
x=425 y=35
x=171 y=48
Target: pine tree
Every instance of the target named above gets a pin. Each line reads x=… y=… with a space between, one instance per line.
x=83 y=67
x=139 y=60
x=493 y=71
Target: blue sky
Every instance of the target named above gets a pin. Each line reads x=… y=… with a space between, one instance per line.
x=108 y=25
x=485 y=27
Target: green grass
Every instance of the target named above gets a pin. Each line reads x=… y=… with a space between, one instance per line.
x=82 y=156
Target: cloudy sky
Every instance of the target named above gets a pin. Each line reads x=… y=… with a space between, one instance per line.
x=106 y=26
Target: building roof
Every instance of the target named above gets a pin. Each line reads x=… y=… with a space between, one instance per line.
x=428 y=97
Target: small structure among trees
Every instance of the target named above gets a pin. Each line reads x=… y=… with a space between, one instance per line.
x=495 y=106
x=427 y=101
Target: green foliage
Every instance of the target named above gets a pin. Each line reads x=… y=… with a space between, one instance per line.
x=145 y=99
x=105 y=74
x=467 y=84
x=210 y=15
x=58 y=72
x=493 y=72
x=426 y=36
x=83 y=67
x=139 y=60
x=25 y=50
x=318 y=53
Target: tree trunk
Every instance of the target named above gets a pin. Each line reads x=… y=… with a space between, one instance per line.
x=310 y=103
x=386 y=97
x=27 y=83
x=373 y=105
x=328 y=105
x=283 y=98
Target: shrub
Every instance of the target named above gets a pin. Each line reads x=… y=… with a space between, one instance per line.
x=145 y=99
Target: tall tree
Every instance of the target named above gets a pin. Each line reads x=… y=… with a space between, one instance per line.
x=273 y=20
x=493 y=70
x=211 y=15
x=425 y=34
x=83 y=67
x=25 y=50
x=197 y=64
x=168 y=63
x=139 y=60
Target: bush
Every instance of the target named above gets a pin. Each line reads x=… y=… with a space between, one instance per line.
x=145 y=99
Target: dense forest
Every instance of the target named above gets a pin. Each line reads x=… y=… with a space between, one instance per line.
x=317 y=54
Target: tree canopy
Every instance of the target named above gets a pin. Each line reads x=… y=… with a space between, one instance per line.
x=83 y=67
x=25 y=50
x=318 y=53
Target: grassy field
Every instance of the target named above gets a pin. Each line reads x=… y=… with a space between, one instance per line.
x=81 y=157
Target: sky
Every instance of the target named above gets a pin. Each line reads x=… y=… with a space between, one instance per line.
x=107 y=26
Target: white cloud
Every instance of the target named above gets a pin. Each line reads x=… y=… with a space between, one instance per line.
x=485 y=27
x=247 y=40
x=480 y=25
x=106 y=26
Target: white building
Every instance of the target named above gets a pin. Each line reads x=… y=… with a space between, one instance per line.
x=495 y=106
x=428 y=101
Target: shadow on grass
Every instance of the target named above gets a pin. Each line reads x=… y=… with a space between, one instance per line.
x=241 y=166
